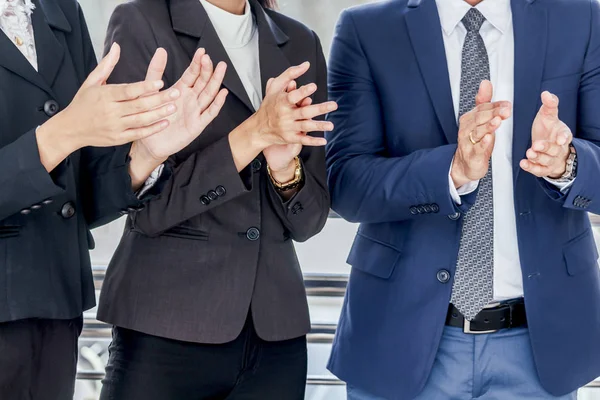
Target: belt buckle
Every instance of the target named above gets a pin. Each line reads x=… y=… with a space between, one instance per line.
x=467 y=323
x=467 y=329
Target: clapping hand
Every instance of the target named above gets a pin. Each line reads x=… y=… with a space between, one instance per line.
x=287 y=115
x=477 y=136
x=200 y=100
x=550 y=141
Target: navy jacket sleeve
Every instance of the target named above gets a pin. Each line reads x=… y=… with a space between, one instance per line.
x=306 y=213
x=367 y=185
x=584 y=195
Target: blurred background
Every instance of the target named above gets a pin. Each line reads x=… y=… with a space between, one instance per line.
x=322 y=258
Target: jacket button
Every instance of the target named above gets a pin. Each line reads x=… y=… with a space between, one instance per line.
x=213 y=195
x=253 y=234
x=26 y=211
x=428 y=209
x=205 y=200
x=454 y=216
x=51 y=108
x=48 y=201
x=435 y=208
x=297 y=208
x=421 y=209
x=221 y=191
x=443 y=276
x=414 y=210
x=68 y=210
x=256 y=165
x=36 y=206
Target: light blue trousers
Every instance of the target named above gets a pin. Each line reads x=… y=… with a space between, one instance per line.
x=496 y=366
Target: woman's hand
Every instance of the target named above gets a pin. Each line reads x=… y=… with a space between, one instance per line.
x=282 y=157
x=281 y=121
x=200 y=101
x=102 y=115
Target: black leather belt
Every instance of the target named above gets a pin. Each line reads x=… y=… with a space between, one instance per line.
x=489 y=320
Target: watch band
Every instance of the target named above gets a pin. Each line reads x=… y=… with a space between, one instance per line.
x=293 y=184
x=571 y=169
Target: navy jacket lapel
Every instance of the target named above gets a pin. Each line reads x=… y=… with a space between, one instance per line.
x=530 y=31
x=425 y=32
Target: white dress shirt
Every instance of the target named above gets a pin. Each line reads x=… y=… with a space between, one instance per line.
x=498 y=36
x=15 y=22
x=239 y=36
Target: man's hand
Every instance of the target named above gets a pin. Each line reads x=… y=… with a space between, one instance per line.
x=477 y=136
x=104 y=115
x=550 y=141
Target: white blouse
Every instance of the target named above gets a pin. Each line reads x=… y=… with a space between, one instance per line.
x=239 y=36
x=15 y=22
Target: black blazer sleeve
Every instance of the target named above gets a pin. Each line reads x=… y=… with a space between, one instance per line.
x=306 y=213
x=106 y=187
x=200 y=173
x=23 y=178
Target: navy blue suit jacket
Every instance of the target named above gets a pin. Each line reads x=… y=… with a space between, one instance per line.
x=388 y=162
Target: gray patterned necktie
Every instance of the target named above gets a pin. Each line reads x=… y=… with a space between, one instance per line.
x=473 y=285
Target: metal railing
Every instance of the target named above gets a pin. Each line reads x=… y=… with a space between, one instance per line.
x=317 y=285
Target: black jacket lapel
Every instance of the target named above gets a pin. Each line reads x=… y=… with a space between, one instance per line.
x=49 y=22
x=272 y=60
x=189 y=18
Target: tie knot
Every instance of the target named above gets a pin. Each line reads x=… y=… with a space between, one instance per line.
x=473 y=20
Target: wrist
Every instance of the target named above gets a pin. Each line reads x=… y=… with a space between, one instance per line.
x=254 y=134
x=142 y=164
x=54 y=143
x=285 y=174
x=458 y=177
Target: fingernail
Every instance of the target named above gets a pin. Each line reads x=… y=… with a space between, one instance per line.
x=332 y=107
x=164 y=124
x=171 y=108
x=554 y=97
x=158 y=84
x=174 y=93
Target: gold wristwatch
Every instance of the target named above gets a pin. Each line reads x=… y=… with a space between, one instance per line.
x=293 y=184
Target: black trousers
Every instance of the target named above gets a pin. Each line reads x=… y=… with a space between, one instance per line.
x=38 y=359
x=144 y=367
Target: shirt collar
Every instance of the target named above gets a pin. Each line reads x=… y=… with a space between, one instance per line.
x=234 y=31
x=496 y=12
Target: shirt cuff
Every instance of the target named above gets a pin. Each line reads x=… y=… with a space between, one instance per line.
x=561 y=184
x=151 y=181
x=461 y=191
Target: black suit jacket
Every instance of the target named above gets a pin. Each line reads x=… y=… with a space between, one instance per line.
x=44 y=218
x=216 y=242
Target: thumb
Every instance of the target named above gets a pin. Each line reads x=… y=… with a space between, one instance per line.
x=485 y=94
x=157 y=65
x=549 y=105
x=100 y=75
x=269 y=83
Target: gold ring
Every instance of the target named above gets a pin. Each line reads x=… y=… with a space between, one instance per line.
x=471 y=138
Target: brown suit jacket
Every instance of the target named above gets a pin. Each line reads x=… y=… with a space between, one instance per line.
x=216 y=243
